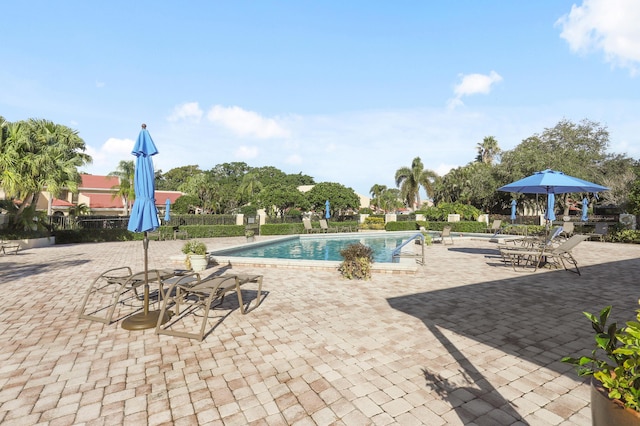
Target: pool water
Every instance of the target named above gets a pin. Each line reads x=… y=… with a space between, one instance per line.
x=326 y=247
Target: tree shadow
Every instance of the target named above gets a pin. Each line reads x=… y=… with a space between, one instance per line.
x=536 y=317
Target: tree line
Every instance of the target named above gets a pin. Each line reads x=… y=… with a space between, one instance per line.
x=577 y=149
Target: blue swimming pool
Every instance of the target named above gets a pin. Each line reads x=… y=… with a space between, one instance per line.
x=324 y=247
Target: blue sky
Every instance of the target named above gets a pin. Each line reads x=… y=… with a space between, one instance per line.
x=344 y=91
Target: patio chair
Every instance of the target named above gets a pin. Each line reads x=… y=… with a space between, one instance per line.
x=495 y=227
x=324 y=226
x=203 y=294
x=444 y=235
x=105 y=292
x=552 y=256
x=308 y=228
x=602 y=229
x=10 y=246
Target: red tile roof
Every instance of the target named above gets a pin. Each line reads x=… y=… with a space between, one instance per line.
x=61 y=203
x=99 y=182
x=103 y=201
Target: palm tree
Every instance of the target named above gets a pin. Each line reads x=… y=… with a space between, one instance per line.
x=125 y=173
x=409 y=180
x=488 y=150
x=375 y=191
x=39 y=154
x=249 y=186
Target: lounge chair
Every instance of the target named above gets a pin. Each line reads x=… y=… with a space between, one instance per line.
x=324 y=226
x=553 y=256
x=11 y=247
x=105 y=292
x=528 y=243
x=495 y=227
x=308 y=228
x=444 y=235
x=602 y=229
x=201 y=293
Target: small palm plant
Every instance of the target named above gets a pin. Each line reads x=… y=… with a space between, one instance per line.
x=357 y=261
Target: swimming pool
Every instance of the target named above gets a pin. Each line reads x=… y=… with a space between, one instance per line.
x=325 y=247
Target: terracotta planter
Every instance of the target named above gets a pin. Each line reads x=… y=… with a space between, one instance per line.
x=608 y=412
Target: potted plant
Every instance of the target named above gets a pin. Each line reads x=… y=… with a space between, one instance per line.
x=250 y=234
x=357 y=261
x=614 y=366
x=196 y=252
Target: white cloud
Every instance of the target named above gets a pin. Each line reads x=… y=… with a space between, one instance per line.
x=246 y=152
x=106 y=157
x=246 y=123
x=607 y=25
x=188 y=111
x=293 y=159
x=472 y=84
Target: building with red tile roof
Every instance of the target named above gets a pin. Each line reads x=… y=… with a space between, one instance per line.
x=98 y=193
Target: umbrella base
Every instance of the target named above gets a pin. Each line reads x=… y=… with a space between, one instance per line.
x=140 y=321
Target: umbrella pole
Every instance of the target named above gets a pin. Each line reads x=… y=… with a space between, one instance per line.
x=145 y=319
x=145 y=243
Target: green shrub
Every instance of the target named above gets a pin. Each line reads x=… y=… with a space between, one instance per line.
x=357 y=261
x=281 y=228
x=194 y=247
x=365 y=210
x=401 y=226
x=373 y=223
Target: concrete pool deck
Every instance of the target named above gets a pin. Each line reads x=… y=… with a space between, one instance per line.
x=464 y=340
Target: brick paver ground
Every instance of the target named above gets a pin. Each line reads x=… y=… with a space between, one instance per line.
x=465 y=340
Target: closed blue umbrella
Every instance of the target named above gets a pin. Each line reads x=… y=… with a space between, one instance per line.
x=551 y=203
x=513 y=210
x=327 y=214
x=167 y=209
x=144 y=218
x=585 y=209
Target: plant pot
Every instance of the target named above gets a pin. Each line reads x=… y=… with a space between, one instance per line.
x=199 y=262
x=250 y=239
x=609 y=412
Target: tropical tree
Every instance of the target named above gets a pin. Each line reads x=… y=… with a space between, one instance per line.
x=390 y=199
x=201 y=185
x=125 y=173
x=277 y=198
x=488 y=150
x=375 y=191
x=410 y=179
x=250 y=186
x=37 y=155
x=340 y=197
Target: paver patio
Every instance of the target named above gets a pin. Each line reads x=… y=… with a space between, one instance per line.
x=466 y=340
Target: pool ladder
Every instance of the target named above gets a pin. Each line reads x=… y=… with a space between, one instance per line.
x=397 y=252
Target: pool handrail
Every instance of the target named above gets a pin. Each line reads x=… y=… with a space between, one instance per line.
x=396 y=253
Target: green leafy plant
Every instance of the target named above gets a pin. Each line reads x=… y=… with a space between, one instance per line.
x=194 y=247
x=619 y=369
x=373 y=223
x=357 y=262
x=249 y=233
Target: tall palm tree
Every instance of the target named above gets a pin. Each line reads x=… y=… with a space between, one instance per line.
x=376 y=191
x=488 y=150
x=125 y=173
x=410 y=179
